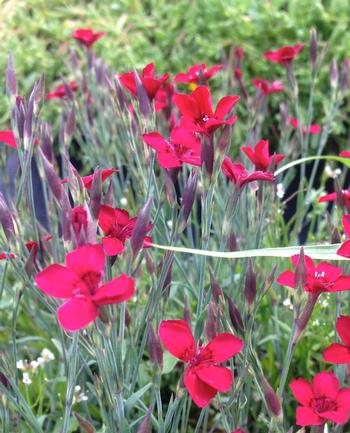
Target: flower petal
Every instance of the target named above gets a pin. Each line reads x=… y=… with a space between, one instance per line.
x=177 y=337
x=106 y=218
x=287 y=278
x=200 y=392
x=325 y=384
x=86 y=258
x=76 y=313
x=302 y=391
x=57 y=281
x=340 y=284
x=222 y=347
x=337 y=416
x=217 y=377
x=344 y=249
x=156 y=141
x=306 y=416
x=337 y=353
x=346 y=224
x=112 y=246
x=343 y=399
x=343 y=329
x=115 y=291
x=225 y=105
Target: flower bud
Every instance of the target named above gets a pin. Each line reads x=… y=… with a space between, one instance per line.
x=335 y=236
x=344 y=77
x=305 y=315
x=154 y=347
x=224 y=139
x=84 y=425
x=235 y=315
x=250 y=283
x=313 y=47
x=300 y=271
x=120 y=93
x=70 y=123
x=144 y=103
x=232 y=242
x=211 y=324
x=6 y=219
x=79 y=220
x=145 y=426
x=53 y=179
x=189 y=195
x=140 y=230
x=207 y=153
x=216 y=290
x=96 y=192
x=272 y=401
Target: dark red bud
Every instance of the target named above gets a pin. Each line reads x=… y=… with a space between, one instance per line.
x=250 y=283
x=145 y=426
x=6 y=219
x=189 y=195
x=140 y=230
x=235 y=315
x=212 y=322
x=216 y=290
x=154 y=347
x=313 y=46
x=144 y=102
x=300 y=271
x=207 y=153
x=272 y=401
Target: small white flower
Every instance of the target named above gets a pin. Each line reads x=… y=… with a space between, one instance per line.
x=47 y=355
x=20 y=365
x=280 y=190
x=169 y=224
x=77 y=388
x=123 y=201
x=34 y=365
x=26 y=379
x=332 y=173
x=287 y=303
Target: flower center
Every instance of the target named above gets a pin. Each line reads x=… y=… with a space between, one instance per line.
x=323 y=404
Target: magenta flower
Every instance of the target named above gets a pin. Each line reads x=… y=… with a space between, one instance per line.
x=197 y=112
x=87 y=37
x=344 y=249
x=182 y=147
x=60 y=91
x=79 y=282
x=260 y=155
x=344 y=193
x=321 y=400
x=284 y=55
x=338 y=353
x=194 y=72
x=150 y=82
x=8 y=138
x=266 y=88
x=314 y=129
x=105 y=174
x=238 y=174
x=204 y=378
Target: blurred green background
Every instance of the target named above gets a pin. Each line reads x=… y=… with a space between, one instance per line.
x=173 y=34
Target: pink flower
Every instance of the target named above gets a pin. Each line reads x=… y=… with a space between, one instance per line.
x=150 y=83
x=117 y=227
x=345 y=154
x=260 y=155
x=345 y=194
x=321 y=400
x=266 y=88
x=320 y=278
x=338 y=353
x=105 y=174
x=79 y=220
x=87 y=37
x=34 y=246
x=240 y=176
x=60 y=91
x=344 y=249
x=284 y=55
x=204 y=378
x=79 y=281
x=194 y=72
x=164 y=97
x=182 y=147
x=8 y=138
x=197 y=112
x=314 y=129
x=4 y=256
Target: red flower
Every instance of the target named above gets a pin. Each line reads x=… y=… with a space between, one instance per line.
x=345 y=193
x=117 y=227
x=197 y=112
x=321 y=400
x=163 y=98
x=79 y=220
x=4 y=256
x=260 y=155
x=284 y=55
x=79 y=281
x=150 y=83
x=345 y=154
x=266 y=88
x=203 y=376
x=105 y=174
x=320 y=278
x=182 y=147
x=344 y=249
x=8 y=138
x=87 y=37
x=314 y=129
x=34 y=246
x=240 y=176
x=194 y=72
x=60 y=91
x=338 y=353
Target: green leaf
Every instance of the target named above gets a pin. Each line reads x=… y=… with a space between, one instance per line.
x=169 y=363
x=131 y=401
x=345 y=161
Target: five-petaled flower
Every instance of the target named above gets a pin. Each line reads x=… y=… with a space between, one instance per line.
x=150 y=83
x=338 y=353
x=314 y=129
x=344 y=194
x=321 y=400
x=117 y=227
x=344 y=249
x=87 y=37
x=238 y=174
x=105 y=174
x=195 y=72
x=61 y=92
x=266 y=88
x=79 y=281
x=182 y=147
x=197 y=112
x=284 y=55
x=319 y=279
x=260 y=155
x=204 y=378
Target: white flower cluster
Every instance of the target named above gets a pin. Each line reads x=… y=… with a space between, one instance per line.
x=45 y=356
x=79 y=395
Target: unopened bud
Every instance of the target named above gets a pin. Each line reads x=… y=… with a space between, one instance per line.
x=6 y=219
x=79 y=220
x=145 y=426
x=335 y=236
x=141 y=226
x=305 y=315
x=272 y=401
x=216 y=290
x=53 y=179
x=235 y=315
x=313 y=47
x=224 y=139
x=207 y=153
x=250 y=283
x=144 y=102
x=300 y=271
x=232 y=242
x=84 y=424
x=70 y=124
x=344 y=77
x=120 y=93
x=211 y=324
x=189 y=195
x=154 y=347
x=96 y=192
